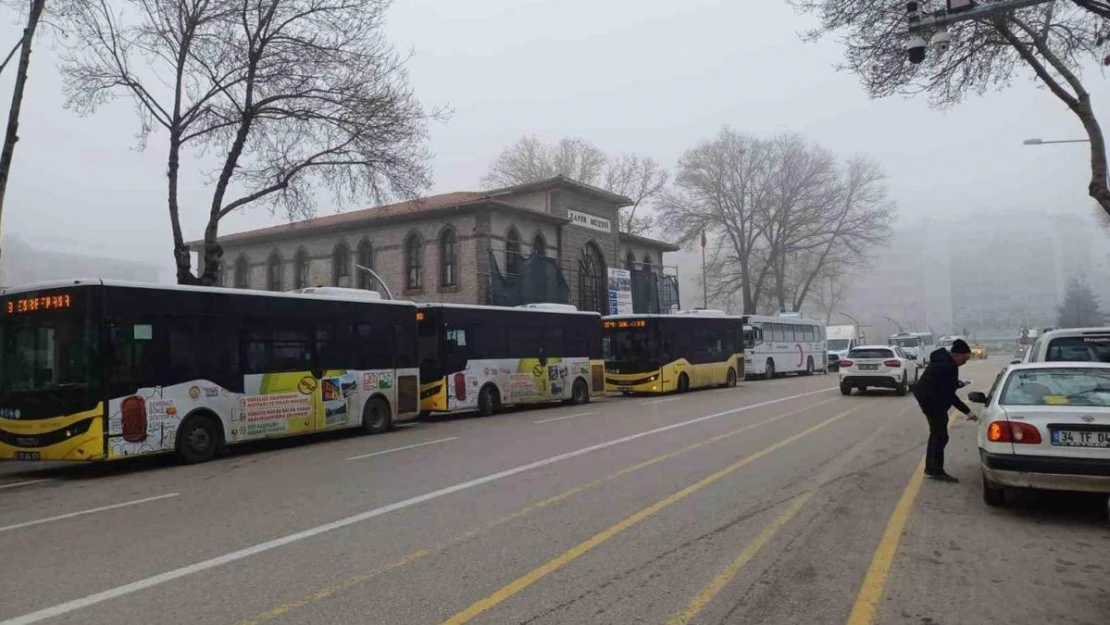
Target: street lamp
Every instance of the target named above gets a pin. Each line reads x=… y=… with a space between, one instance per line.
x=1039 y=141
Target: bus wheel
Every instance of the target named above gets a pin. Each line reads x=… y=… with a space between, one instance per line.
x=580 y=392
x=198 y=440
x=809 y=366
x=770 y=373
x=683 y=383
x=376 y=416
x=489 y=402
x=730 y=378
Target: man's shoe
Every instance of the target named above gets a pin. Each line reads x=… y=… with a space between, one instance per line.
x=944 y=477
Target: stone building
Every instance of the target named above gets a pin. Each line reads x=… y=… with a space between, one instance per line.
x=548 y=241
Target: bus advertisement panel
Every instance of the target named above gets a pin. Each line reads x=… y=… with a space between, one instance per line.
x=485 y=357
x=101 y=371
x=672 y=353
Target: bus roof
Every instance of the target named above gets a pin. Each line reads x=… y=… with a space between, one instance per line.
x=668 y=316
x=92 y=282
x=778 y=319
x=549 y=311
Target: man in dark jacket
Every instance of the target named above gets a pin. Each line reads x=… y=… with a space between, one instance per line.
x=936 y=394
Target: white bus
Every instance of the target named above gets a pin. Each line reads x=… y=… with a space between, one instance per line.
x=778 y=345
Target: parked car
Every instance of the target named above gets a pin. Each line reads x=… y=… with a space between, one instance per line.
x=878 y=366
x=1045 y=426
x=1071 y=345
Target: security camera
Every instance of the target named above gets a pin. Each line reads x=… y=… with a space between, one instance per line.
x=941 y=40
x=915 y=47
x=913 y=12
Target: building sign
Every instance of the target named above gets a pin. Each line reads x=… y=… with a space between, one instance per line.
x=620 y=292
x=587 y=220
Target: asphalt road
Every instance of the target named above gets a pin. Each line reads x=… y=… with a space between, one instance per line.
x=777 y=502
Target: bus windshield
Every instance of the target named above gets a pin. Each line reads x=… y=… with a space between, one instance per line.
x=632 y=349
x=905 y=341
x=838 y=345
x=49 y=364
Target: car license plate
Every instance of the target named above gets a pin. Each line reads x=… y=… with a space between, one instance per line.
x=1073 y=438
x=28 y=455
x=869 y=367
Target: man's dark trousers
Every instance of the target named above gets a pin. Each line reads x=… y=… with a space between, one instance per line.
x=938 y=440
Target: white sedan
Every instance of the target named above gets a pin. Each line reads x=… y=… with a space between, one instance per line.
x=1045 y=425
x=878 y=366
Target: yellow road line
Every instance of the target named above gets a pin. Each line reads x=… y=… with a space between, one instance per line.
x=874 y=582
x=533 y=576
x=358 y=580
x=710 y=592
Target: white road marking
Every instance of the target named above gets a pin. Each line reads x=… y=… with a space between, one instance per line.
x=389 y=451
x=234 y=556
x=71 y=515
x=27 y=483
x=570 y=416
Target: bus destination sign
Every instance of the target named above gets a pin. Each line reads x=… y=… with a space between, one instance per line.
x=623 y=324
x=40 y=303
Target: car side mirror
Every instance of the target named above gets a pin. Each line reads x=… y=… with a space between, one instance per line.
x=977 y=397
x=1015 y=362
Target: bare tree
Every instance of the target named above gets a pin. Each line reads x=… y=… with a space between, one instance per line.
x=284 y=97
x=829 y=292
x=1052 y=42
x=721 y=188
x=530 y=159
x=35 y=10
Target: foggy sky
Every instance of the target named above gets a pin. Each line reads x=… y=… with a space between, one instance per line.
x=643 y=76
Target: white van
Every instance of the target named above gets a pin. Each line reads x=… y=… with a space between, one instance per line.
x=840 y=340
x=1072 y=345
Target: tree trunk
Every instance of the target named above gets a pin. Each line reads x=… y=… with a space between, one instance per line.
x=11 y=135
x=1098 y=187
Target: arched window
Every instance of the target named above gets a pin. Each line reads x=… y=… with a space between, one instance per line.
x=448 y=263
x=241 y=275
x=300 y=270
x=648 y=265
x=364 y=258
x=539 y=245
x=414 y=267
x=341 y=265
x=273 y=272
x=512 y=251
x=630 y=261
x=593 y=284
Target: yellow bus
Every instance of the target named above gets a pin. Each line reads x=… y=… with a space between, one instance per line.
x=672 y=353
x=92 y=370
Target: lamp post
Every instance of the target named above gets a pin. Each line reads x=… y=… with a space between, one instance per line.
x=370 y=271
x=1039 y=141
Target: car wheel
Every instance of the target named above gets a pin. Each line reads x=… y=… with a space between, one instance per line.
x=845 y=389
x=376 y=416
x=901 y=388
x=769 y=374
x=993 y=494
x=489 y=402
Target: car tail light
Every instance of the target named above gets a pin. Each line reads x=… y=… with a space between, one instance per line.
x=892 y=363
x=846 y=363
x=460 y=386
x=1013 y=432
x=133 y=414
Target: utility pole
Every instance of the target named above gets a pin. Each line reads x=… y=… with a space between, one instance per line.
x=704 y=278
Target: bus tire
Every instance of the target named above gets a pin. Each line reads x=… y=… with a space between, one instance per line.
x=489 y=400
x=683 y=383
x=730 y=378
x=376 y=416
x=809 y=366
x=199 y=438
x=580 y=392
x=769 y=374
